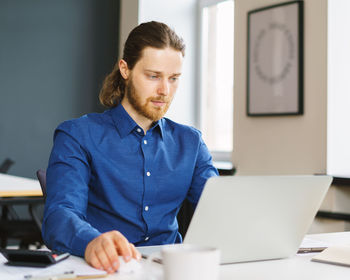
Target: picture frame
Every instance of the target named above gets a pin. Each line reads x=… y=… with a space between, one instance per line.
x=275 y=60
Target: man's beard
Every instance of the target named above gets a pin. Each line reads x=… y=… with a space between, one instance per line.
x=147 y=110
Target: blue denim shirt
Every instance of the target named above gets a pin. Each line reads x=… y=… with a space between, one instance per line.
x=105 y=174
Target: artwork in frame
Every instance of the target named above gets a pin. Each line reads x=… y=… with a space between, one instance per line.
x=275 y=60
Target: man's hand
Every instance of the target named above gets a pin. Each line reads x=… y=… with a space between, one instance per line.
x=103 y=251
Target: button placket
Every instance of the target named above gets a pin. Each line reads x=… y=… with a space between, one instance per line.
x=146 y=148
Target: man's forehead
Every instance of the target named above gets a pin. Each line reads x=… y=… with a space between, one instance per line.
x=161 y=60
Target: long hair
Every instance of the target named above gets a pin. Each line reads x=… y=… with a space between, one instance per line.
x=150 y=34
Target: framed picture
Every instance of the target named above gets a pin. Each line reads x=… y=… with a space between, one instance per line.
x=275 y=60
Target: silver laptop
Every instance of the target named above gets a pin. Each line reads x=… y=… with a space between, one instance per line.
x=252 y=218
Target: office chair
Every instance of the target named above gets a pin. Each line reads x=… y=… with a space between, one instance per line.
x=186 y=212
x=41 y=174
x=5 y=166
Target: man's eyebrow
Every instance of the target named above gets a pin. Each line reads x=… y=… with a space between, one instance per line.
x=158 y=72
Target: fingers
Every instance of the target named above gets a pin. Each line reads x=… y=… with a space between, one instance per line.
x=94 y=261
x=104 y=260
x=135 y=253
x=123 y=246
x=103 y=252
x=111 y=252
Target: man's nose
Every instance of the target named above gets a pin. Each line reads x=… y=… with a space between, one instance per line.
x=163 y=88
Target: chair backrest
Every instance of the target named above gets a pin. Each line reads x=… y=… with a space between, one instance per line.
x=5 y=166
x=41 y=174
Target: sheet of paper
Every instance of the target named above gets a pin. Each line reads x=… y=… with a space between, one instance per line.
x=334 y=255
x=75 y=264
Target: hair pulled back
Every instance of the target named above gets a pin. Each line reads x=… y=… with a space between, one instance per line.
x=150 y=34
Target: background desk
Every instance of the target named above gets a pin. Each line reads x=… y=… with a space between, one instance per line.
x=13 y=186
x=19 y=191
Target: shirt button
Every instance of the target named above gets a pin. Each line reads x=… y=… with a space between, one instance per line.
x=146 y=238
x=145 y=142
x=148 y=173
x=138 y=130
x=146 y=208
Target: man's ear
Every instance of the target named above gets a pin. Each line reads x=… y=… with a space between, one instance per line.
x=124 y=70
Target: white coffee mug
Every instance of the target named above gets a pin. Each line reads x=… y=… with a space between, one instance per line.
x=190 y=262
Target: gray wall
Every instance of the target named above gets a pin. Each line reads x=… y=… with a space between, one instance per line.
x=54 y=55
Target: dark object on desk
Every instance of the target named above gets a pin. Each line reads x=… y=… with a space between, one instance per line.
x=341 y=181
x=32 y=258
x=225 y=168
x=227 y=171
x=333 y=215
x=311 y=250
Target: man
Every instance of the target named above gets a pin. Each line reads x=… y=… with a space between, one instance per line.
x=118 y=178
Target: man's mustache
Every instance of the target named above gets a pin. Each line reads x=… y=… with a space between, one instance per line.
x=159 y=98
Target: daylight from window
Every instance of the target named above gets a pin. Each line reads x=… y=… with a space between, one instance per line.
x=216 y=113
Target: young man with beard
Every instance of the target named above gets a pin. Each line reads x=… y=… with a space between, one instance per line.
x=117 y=179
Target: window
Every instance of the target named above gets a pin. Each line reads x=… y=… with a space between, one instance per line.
x=216 y=76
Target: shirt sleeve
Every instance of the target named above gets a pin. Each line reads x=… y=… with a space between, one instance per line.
x=65 y=227
x=204 y=169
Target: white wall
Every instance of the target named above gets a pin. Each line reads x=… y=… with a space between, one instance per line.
x=283 y=144
x=181 y=16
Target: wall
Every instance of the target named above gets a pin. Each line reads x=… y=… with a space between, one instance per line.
x=53 y=58
x=288 y=144
x=129 y=18
x=301 y=144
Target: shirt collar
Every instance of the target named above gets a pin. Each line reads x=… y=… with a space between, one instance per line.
x=125 y=124
x=160 y=125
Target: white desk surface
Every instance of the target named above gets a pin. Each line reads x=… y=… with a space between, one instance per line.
x=13 y=186
x=298 y=267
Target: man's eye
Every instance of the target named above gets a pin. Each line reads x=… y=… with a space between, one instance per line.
x=174 y=79
x=153 y=77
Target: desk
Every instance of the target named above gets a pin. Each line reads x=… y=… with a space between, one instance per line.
x=13 y=186
x=298 y=267
x=19 y=191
